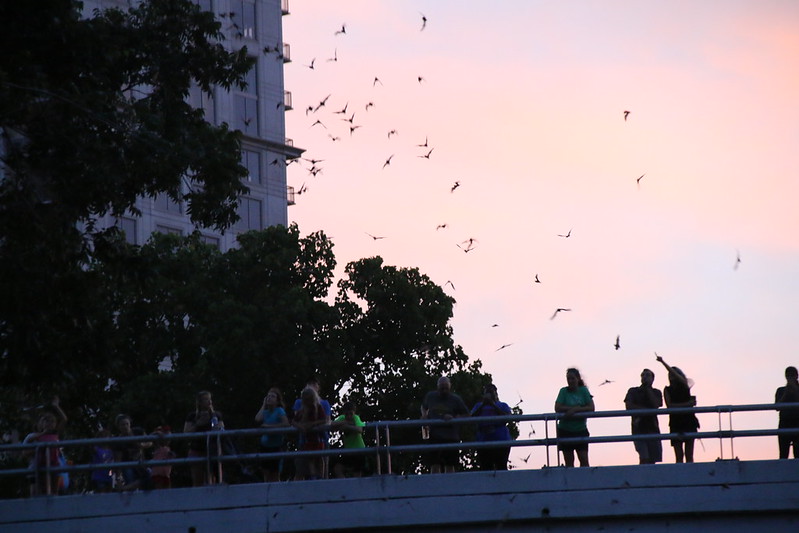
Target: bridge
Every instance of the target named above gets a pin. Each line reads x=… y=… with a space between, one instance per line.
x=727 y=494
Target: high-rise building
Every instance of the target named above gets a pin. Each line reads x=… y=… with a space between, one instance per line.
x=258 y=111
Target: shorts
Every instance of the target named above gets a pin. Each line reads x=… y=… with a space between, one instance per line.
x=649 y=451
x=566 y=434
x=351 y=462
x=786 y=441
x=272 y=465
x=443 y=457
x=161 y=481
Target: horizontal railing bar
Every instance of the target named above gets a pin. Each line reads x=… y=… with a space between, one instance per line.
x=384 y=449
x=407 y=423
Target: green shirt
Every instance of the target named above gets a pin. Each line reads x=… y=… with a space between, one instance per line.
x=352 y=439
x=580 y=397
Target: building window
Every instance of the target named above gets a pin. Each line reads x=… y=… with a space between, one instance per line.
x=159 y=228
x=243 y=16
x=128 y=228
x=164 y=203
x=252 y=162
x=201 y=100
x=205 y=5
x=246 y=105
x=210 y=239
x=250 y=215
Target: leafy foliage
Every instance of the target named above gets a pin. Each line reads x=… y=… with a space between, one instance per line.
x=93 y=116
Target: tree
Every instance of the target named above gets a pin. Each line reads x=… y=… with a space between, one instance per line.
x=92 y=116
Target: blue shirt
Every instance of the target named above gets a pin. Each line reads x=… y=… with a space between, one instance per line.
x=273 y=416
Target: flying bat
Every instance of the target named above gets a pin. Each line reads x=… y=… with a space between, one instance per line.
x=558 y=310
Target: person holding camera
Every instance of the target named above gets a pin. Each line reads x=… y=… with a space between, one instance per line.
x=492 y=458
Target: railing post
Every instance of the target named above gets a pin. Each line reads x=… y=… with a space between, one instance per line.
x=721 y=440
x=377 y=449
x=388 y=451
x=218 y=462
x=47 y=483
x=546 y=436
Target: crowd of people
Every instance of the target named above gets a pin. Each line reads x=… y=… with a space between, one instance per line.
x=311 y=419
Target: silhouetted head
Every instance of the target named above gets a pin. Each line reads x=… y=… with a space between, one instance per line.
x=490 y=392
x=274 y=398
x=203 y=401
x=573 y=379
x=313 y=382
x=791 y=374
x=124 y=424
x=47 y=421
x=444 y=386
x=309 y=396
x=674 y=374
x=348 y=409
x=647 y=377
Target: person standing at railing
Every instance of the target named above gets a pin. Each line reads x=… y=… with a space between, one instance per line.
x=492 y=458
x=204 y=418
x=133 y=477
x=161 y=475
x=272 y=414
x=573 y=398
x=443 y=404
x=789 y=418
x=313 y=382
x=678 y=394
x=646 y=396
x=50 y=424
x=310 y=417
x=102 y=479
x=351 y=427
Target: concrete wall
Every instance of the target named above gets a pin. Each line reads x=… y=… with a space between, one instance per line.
x=731 y=495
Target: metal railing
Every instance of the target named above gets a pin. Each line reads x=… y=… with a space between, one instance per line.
x=383 y=449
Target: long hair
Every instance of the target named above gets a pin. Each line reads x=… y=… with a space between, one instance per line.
x=576 y=373
x=197 y=402
x=682 y=382
x=279 y=396
x=309 y=393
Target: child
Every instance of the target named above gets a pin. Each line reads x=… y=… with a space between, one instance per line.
x=51 y=422
x=308 y=420
x=137 y=477
x=160 y=475
x=272 y=414
x=102 y=480
x=352 y=426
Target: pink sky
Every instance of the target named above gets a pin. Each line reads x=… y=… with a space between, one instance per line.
x=522 y=104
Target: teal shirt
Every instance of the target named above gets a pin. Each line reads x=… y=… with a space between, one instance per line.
x=579 y=397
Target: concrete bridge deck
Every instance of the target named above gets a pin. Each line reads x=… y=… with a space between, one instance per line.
x=724 y=495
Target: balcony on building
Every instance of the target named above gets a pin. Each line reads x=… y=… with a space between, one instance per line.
x=284 y=7
x=287 y=100
x=290 y=195
x=286 y=53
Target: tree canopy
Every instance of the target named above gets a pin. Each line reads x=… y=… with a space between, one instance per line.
x=93 y=115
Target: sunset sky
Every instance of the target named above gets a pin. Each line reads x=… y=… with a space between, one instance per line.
x=521 y=103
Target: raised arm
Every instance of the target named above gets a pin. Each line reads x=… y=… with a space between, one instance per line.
x=678 y=376
x=61 y=416
x=259 y=416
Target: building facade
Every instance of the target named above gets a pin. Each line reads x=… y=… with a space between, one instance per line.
x=257 y=111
